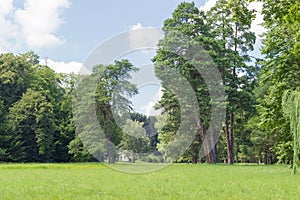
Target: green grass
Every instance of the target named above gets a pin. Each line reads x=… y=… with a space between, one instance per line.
x=184 y=181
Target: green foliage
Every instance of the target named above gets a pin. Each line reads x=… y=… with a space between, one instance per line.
x=134 y=139
x=15 y=73
x=64 y=117
x=3 y=137
x=78 y=151
x=280 y=72
x=36 y=124
x=32 y=122
x=223 y=32
x=291 y=108
x=230 y=23
x=149 y=126
x=185 y=28
x=106 y=100
x=112 y=94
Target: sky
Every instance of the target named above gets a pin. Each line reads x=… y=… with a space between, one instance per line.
x=65 y=32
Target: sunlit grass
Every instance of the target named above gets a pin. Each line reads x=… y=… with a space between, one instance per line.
x=182 y=181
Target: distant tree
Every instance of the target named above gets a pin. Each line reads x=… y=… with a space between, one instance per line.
x=3 y=136
x=64 y=118
x=108 y=99
x=134 y=139
x=15 y=72
x=148 y=125
x=15 y=76
x=58 y=90
x=32 y=122
x=112 y=92
x=79 y=152
x=19 y=74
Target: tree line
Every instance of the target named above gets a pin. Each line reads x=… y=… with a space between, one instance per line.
x=255 y=128
x=37 y=122
x=37 y=119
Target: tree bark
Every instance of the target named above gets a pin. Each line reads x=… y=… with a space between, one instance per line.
x=229 y=138
x=206 y=144
x=213 y=155
x=194 y=159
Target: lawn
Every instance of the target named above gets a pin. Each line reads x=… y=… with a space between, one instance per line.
x=180 y=181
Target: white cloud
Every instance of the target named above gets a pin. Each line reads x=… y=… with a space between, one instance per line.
x=32 y=27
x=144 y=37
x=39 y=20
x=136 y=26
x=148 y=109
x=63 y=67
x=6 y=6
x=8 y=30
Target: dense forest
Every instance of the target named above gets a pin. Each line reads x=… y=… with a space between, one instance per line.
x=261 y=125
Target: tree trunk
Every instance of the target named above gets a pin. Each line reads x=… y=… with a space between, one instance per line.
x=110 y=152
x=194 y=159
x=229 y=139
x=206 y=144
x=213 y=155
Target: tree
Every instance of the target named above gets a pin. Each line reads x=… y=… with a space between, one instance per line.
x=15 y=71
x=36 y=110
x=32 y=122
x=64 y=119
x=18 y=74
x=225 y=33
x=149 y=126
x=57 y=88
x=112 y=90
x=3 y=136
x=135 y=139
x=230 y=23
x=108 y=100
x=291 y=108
x=172 y=57
x=79 y=152
x=280 y=72
x=15 y=76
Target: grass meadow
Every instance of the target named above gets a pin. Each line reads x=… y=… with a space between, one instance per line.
x=177 y=181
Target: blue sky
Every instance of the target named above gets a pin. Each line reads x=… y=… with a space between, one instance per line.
x=81 y=25
x=66 y=31
x=88 y=23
